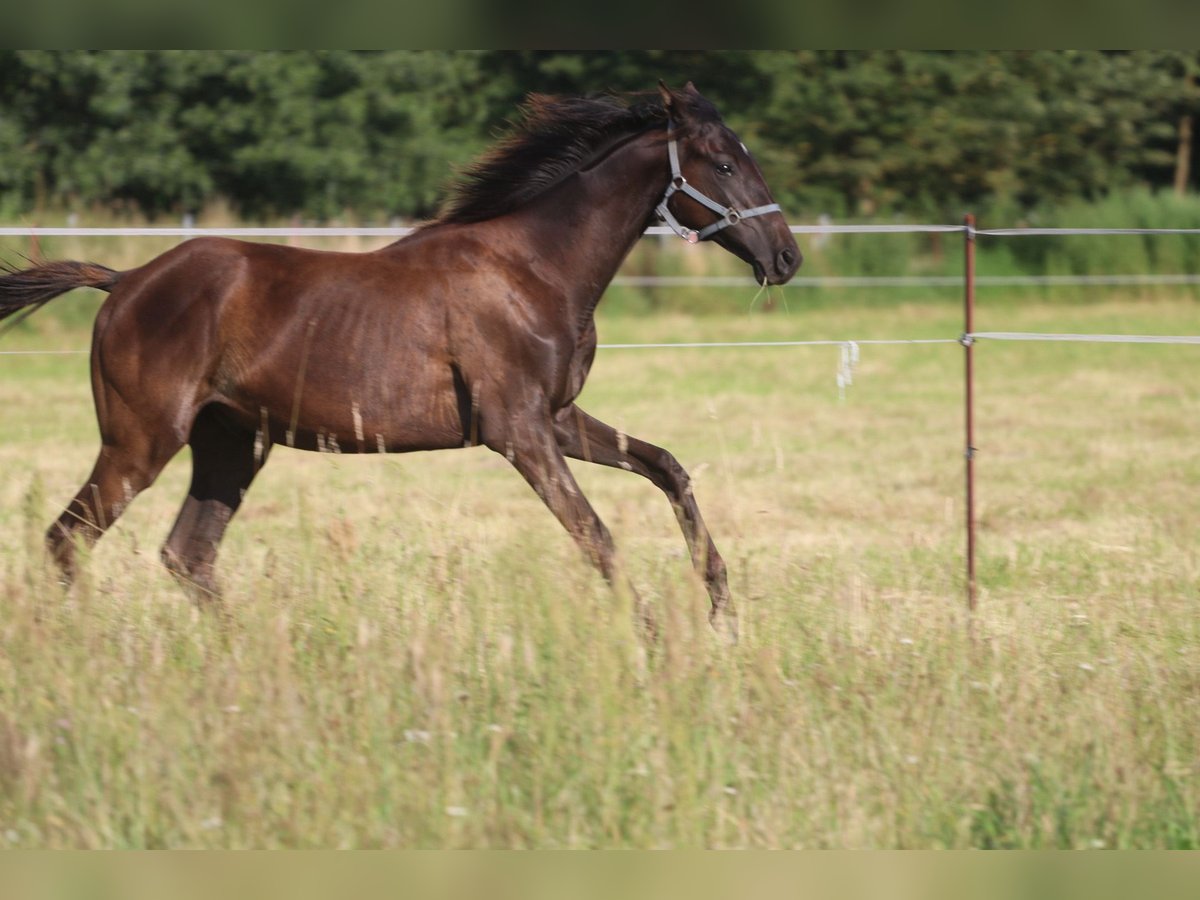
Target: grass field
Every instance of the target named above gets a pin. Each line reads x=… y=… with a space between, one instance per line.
x=418 y=657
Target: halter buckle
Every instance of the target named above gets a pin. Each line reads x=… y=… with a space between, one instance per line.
x=690 y=236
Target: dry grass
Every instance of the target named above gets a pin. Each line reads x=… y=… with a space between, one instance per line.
x=417 y=657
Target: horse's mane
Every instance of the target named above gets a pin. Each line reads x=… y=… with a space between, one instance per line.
x=554 y=136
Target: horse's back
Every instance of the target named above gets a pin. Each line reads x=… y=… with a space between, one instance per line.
x=220 y=290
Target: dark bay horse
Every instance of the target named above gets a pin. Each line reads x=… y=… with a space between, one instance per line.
x=477 y=328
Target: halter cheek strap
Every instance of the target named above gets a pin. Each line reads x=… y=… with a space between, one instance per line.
x=729 y=215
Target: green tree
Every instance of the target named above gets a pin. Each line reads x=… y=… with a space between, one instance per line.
x=379 y=133
x=868 y=131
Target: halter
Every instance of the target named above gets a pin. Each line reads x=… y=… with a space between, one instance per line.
x=729 y=215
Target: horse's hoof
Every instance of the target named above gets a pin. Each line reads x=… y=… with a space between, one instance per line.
x=725 y=624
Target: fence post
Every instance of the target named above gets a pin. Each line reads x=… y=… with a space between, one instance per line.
x=968 y=342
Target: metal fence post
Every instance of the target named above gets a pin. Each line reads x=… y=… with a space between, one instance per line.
x=968 y=342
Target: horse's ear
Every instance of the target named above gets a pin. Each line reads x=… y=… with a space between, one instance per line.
x=678 y=106
x=668 y=97
x=691 y=89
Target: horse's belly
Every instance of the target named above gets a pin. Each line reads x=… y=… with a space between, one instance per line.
x=332 y=412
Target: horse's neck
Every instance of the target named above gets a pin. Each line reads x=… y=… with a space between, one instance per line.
x=590 y=221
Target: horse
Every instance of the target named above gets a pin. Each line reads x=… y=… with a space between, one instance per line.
x=476 y=328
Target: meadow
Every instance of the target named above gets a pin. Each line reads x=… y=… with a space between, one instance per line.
x=415 y=655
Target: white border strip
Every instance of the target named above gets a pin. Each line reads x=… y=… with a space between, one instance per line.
x=1086 y=338
x=881 y=281
x=40 y=231
x=827 y=343
x=664 y=346
x=1053 y=232
x=704 y=345
x=398 y=231
x=401 y=231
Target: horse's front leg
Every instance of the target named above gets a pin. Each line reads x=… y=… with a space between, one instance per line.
x=532 y=448
x=581 y=436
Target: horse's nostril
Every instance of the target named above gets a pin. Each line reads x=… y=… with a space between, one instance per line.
x=786 y=260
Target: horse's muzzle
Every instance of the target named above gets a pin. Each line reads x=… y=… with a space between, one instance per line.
x=787 y=261
x=781 y=268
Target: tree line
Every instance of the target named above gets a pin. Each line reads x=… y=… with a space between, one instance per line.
x=378 y=134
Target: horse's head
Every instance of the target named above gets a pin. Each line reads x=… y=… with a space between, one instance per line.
x=717 y=191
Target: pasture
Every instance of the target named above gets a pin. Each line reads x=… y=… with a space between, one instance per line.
x=415 y=655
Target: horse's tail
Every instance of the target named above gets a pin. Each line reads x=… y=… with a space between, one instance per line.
x=25 y=291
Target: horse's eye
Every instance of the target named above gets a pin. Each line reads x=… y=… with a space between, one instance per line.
x=724 y=169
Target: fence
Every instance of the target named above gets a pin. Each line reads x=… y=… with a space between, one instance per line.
x=969 y=281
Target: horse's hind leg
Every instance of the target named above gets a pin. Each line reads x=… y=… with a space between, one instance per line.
x=129 y=461
x=225 y=459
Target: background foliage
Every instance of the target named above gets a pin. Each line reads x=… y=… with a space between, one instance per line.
x=377 y=134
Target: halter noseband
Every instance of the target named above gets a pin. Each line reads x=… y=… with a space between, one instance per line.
x=729 y=215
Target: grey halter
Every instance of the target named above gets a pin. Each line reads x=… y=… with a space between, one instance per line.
x=729 y=215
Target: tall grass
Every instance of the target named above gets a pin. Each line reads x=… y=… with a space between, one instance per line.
x=415 y=656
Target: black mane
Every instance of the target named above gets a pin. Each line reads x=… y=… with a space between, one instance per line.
x=554 y=136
